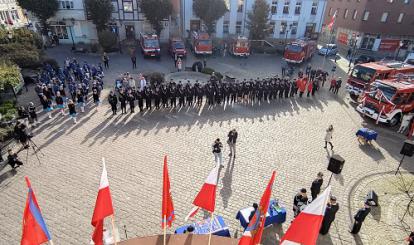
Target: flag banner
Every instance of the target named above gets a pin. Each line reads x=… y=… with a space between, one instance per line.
x=305 y=227
x=253 y=233
x=35 y=231
x=167 y=202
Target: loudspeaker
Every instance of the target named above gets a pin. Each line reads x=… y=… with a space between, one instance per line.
x=336 y=163
x=371 y=198
x=408 y=148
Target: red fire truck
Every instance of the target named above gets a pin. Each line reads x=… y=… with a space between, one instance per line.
x=177 y=47
x=299 y=51
x=363 y=75
x=239 y=46
x=201 y=43
x=388 y=99
x=150 y=45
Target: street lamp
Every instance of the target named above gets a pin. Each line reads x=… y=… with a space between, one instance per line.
x=353 y=49
x=399 y=48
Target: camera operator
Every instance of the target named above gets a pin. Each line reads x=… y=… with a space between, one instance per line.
x=20 y=131
x=13 y=160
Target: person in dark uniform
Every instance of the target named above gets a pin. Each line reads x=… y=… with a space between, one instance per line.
x=164 y=96
x=32 y=114
x=255 y=207
x=131 y=100
x=148 y=98
x=122 y=100
x=181 y=96
x=113 y=101
x=189 y=93
x=331 y=208
x=308 y=70
x=218 y=94
x=292 y=88
x=287 y=87
x=139 y=95
x=226 y=93
x=259 y=89
x=316 y=186
x=210 y=94
x=13 y=160
x=410 y=239
x=173 y=95
x=299 y=202
x=157 y=97
x=359 y=218
x=200 y=93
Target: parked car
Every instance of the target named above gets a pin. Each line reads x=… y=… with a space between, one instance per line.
x=364 y=59
x=328 y=49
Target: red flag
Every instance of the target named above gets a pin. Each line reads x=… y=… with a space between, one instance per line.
x=35 y=231
x=253 y=233
x=206 y=198
x=167 y=202
x=103 y=207
x=332 y=21
x=305 y=227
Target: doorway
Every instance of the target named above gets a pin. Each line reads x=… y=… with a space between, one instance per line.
x=367 y=43
x=130 y=31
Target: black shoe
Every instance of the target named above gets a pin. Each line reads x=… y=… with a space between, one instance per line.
x=324 y=147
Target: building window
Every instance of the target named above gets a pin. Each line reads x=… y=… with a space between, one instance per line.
x=330 y=11
x=384 y=17
x=66 y=4
x=226 y=26
x=60 y=30
x=298 y=7
x=400 y=18
x=346 y=13
x=286 y=7
x=272 y=25
x=354 y=16
x=273 y=9
x=114 y=6
x=314 y=7
x=128 y=7
x=294 y=28
x=366 y=15
x=238 y=27
x=240 y=6
x=283 y=26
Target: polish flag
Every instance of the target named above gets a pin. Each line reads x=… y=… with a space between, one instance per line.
x=167 y=202
x=103 y=207
x=304 y=229
x=332 y=21
x=206 y=198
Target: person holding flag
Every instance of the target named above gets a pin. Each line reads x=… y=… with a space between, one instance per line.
x=35 y=231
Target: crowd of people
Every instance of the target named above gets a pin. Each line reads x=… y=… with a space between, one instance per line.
x=216 y=91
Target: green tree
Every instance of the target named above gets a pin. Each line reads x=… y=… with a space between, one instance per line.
x=258 y=20
x=42 y=9
x=209 y=11
x=100 y=12
x=155 y=12
x=10 y=76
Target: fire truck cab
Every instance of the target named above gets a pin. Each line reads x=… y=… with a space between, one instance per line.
x=150 y=45
x=177 y=47
x=201 y=43
x=388 y=99
x=362 y=75
x=299 y=51
x=239 y=46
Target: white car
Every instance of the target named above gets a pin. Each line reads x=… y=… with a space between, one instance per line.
x=328 y=49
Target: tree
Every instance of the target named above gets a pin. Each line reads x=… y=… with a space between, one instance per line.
x=42 y=9
x=209 y=11
x=155 y=12
x=100 y=12
x=258 y=20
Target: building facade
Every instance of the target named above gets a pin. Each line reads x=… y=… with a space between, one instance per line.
x=11 y=15
x=288 y=18
x=73 y=25
x=374 y=25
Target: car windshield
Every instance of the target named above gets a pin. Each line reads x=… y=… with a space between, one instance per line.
x=364 y=74
x=294 y=48
x=204 y=42
x=178 y=45
x=242 y=44
x=384 y=89
x=151 y=43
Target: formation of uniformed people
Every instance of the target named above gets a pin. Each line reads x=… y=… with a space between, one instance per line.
x=216 y=91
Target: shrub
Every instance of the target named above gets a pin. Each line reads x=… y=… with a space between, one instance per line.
x=6 y=133
x=10 y=75
x=24 y=55
x=108 y=40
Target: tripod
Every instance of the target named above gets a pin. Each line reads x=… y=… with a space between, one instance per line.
x=36 y=149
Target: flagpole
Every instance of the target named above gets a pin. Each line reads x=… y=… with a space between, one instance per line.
x=165 y=229
x=113 y=229
x=211 y=228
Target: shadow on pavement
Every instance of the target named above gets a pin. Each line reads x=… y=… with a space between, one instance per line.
x=8 y=174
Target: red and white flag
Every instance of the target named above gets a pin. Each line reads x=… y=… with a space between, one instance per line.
x=304 y=229
x=253 y=233
x=103 y=207
x=206 y=198
x=332 y=21
x=167 y=202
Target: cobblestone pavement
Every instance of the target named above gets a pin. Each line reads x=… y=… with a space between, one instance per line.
x=285 y=135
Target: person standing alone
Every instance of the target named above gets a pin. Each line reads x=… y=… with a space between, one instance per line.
x=316 y=186
x=359 y=218
x=105 y=60
x=328 y=137
x=133 y=59
x=217 y=148
x=232 y=138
